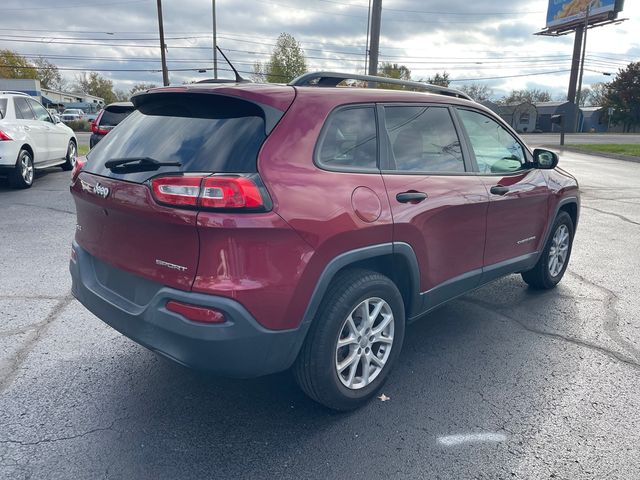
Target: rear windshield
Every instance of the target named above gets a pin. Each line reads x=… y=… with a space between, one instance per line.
x=112 y=117
x=204 y=132
x=3 y=107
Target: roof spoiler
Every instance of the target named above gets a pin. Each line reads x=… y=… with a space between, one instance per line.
x=332 y=79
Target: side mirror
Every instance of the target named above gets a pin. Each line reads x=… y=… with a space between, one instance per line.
x=545 y=159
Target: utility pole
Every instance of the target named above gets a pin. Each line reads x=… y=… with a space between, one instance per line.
x=215 y=40
x=374 y=42
x=165 y=72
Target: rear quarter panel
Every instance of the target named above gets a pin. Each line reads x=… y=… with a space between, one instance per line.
x=316 y=203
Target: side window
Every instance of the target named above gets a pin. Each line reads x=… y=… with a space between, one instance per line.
x=495 y=148
x=40 y=112
x=349 y=140
x=424 y=139
x=23 y=110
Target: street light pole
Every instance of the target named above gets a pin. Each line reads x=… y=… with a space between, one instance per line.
x=165 y=71
x=215 y=40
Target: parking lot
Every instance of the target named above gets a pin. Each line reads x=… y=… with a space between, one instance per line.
x=502 y=383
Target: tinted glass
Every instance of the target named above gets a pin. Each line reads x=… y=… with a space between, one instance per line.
x=424 y=139
x=111 y=118
x=22 y=109
x=349 y=140
x=496 y=150
x=3 y=107
x=40 y=112
x=205 y=133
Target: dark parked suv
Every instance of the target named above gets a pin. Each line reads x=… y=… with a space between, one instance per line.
x=107 y=119
x=246 y=229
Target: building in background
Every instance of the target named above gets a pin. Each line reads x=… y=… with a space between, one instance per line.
x=53 y=98
x=568 y=110
x=522 y=117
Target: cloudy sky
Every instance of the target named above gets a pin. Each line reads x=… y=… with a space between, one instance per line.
x=484 y=41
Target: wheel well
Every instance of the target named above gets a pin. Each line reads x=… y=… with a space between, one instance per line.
x=27 y=148
x=572 y=210
x=396 y=267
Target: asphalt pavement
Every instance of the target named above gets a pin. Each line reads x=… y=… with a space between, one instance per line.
x=503 y=383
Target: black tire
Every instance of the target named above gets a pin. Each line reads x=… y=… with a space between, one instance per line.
x=540 y=277
x=18 y=177
x=315 y=369
x=72 y=151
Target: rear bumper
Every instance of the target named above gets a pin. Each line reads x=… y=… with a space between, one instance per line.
x=240 y=347
x=9 y=155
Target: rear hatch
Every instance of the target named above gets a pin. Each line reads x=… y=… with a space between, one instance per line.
x=139 y=194
x=111 y=116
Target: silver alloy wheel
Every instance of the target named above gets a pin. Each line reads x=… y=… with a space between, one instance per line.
x=71 y=153
x=26 y=168
x=558 y=251
x=364 y=343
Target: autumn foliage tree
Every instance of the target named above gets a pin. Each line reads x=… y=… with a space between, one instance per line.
x=623 y=95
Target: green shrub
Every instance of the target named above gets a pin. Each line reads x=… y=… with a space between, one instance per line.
x=79 y=125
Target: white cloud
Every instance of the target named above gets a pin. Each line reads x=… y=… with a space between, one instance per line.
x=470 y=41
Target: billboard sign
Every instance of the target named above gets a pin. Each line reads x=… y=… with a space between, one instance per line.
x=567 y=12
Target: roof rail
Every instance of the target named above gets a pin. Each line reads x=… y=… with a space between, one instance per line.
x=11 y=92
x=332 y=79
x=224 y=80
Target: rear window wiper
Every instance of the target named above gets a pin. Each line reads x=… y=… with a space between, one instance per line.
x=140 y=164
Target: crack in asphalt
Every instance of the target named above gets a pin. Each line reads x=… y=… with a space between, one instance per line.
x=558 y=336
x=621 y=217
x=611 y=322
x=44 y=207
x=60 y=439
x=8 y=373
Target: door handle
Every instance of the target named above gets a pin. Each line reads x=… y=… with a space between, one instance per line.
x=27 y=127
x=499 y=190
x=411 y=197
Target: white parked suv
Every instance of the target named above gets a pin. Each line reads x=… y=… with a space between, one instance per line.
x=31 y=139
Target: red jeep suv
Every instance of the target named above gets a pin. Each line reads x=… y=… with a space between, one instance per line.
x=245 y=229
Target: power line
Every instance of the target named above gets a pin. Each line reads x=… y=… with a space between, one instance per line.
x=85 y=5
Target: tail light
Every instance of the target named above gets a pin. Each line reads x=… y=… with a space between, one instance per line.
x=95 y=125
x=80 y=161
x=211 y=192
x=4 y=137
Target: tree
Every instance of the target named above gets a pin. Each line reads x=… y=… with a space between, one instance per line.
x=393 y=70
x=141 y=87
x=623 y=96
x=527 y=95
x=16 y=66
x=95 y=84
x=48 y=74
x=441 y=79
x=597 y=94
x=286 y=63
x=480 y=93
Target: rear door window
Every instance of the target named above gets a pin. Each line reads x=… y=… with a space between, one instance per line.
x=423 y=139
x=23 y=110
x=203 y=132
x=349 y=140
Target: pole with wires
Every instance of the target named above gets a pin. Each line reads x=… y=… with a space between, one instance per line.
x=215 y=40
x=165 y=71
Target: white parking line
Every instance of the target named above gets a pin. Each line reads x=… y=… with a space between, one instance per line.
x=451 y=440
